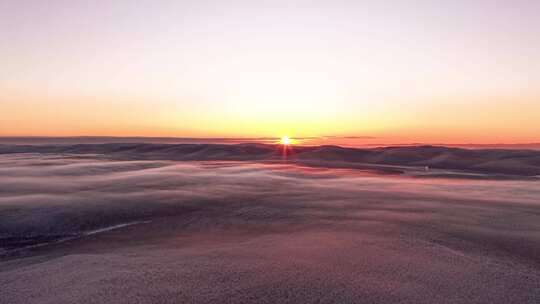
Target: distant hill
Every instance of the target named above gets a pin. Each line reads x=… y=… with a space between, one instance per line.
x=485 y=161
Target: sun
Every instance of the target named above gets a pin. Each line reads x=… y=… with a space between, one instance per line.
x=285 y=140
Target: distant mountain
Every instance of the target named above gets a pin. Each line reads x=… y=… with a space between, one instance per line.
x=397 y=159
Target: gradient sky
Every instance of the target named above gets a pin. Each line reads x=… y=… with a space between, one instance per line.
x=400 y=71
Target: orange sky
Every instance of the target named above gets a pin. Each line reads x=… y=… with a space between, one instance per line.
x=466 y=72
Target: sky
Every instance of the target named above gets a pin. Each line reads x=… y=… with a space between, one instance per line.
x=384 y=71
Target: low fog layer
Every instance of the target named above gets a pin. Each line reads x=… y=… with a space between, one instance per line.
x=487 y=163
x=108 y=228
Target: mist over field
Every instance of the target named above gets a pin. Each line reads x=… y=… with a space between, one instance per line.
x=274 y=152
x=122 y=228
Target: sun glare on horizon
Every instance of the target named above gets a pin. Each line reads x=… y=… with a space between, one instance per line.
x=285 y=140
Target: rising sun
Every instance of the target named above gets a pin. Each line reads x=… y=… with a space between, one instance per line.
x=285 y=140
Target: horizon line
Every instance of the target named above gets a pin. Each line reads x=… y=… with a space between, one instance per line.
x=263 y=139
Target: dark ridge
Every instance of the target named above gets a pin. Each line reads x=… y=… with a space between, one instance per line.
x=485 y=161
